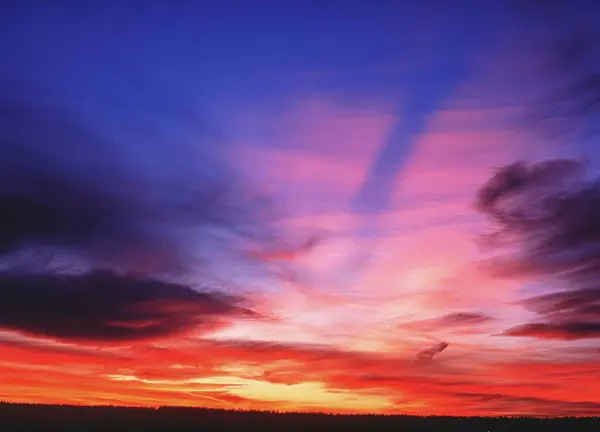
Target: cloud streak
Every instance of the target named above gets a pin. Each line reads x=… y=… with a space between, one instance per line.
x=104 y=307
x=449 y=321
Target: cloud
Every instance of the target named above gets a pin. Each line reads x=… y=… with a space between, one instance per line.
x=437 y=167
x=452 y=320
x=66 y=187
x=426 y=355
x=562 y=331
x=336 y=138
x=547 y=214
x=288 y=254
x=104 y=307
x=257 y=374
x=580 y=303
x=33 y=347
x=463 y=318
x=520 y=177
x=261 y=374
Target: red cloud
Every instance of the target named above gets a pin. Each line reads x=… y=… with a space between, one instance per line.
x=223 y=374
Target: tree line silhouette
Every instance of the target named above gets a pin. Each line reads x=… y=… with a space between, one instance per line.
x=15 y=416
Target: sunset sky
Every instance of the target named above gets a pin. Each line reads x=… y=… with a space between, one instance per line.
x=369 y=127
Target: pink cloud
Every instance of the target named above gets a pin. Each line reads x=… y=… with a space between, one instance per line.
x=315 y=145
x=454 y=162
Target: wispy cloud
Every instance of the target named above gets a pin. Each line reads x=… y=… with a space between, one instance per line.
x=329 y=259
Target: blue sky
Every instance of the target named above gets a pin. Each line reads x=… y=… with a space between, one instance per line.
x=134 y=69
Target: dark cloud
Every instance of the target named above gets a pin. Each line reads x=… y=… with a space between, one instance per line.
x=514 y=180
x=549 y=214
x=452 y=320
x=560 y=331
x=104 y=307
x=568 y=315
x=427 y=355
x=581 y=303
x=69 y=187
x=76 y=198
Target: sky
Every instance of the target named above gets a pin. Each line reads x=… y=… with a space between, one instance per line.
x=280 y=206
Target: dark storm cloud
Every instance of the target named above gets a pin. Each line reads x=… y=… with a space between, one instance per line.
x=105 y=307
x=551 y=219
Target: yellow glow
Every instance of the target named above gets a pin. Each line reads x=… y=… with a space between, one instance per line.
x=241 y=369
x=307 y=393
x=312 y=393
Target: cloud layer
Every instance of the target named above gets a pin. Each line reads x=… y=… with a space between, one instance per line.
x=104 y=307
x=141 y=263
x=549 y=212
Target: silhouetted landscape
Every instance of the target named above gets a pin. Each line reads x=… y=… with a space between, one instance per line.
x=112 y=418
